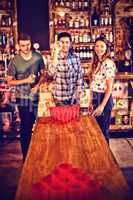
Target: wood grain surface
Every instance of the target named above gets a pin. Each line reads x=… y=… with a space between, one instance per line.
x=80 y=143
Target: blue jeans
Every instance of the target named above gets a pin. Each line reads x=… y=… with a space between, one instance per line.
x=104 y=119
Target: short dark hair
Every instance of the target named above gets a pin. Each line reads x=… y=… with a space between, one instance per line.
x=24 y=36
x=64 y=34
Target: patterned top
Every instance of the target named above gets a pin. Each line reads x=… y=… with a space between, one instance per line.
x=67 y=77
x=107 y=70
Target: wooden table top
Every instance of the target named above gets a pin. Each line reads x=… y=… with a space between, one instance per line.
x=79 y=143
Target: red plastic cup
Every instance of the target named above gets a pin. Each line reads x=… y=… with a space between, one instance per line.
x=75 y=191
x=79 y=174
x=63 y=114
x=50 y=179
x=94 y=190
x=40 y=191
x=75 y=111
x=62 y=172
x=63 y=168
x=57 y=191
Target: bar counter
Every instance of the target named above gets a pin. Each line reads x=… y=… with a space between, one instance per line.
x=79 y=143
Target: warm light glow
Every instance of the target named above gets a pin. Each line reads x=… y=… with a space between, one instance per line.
x=61 y=13
x=61 y=10
x=129 y=10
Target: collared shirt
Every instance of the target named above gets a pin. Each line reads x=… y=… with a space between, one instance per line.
x=67 y=77
x=106 y=71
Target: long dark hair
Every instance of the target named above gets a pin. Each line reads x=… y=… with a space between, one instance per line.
x=96 y=61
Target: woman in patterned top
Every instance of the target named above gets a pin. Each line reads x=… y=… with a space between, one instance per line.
x=101 y=81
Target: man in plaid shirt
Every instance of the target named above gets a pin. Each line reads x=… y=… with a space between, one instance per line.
x=66 y=71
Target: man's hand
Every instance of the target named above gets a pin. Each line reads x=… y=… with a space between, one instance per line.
x=30 y=78
x=56 y=50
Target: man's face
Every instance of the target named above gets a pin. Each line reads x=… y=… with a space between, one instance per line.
x=25 y=46
x=65 y=44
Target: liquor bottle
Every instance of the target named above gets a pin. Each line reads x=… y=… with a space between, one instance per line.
x=70 y=22
x=9 y=21
x=60 y=22
x=9 y=4
x=84 y=53
x=95 y=18
x=67 y=3
x=111 y=36
x=62 y=3
x=3 y=40
x=11 y=41
x=3 y=21
x=107 y=9
x=76 y=23
x=82 y=22
x=81 y=38
x=112 y=54
x=81 y=53
x=80 y=5
x=57 y=3
x=86 y=5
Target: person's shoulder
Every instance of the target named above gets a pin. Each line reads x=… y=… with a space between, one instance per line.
x=36 y=54
x=74 y=55
x=15 y=59
x=109 y=61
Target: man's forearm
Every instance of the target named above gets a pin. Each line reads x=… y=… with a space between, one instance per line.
x=16 y=82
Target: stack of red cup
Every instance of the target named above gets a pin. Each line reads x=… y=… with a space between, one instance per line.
x=64 y=114
x=67 y=183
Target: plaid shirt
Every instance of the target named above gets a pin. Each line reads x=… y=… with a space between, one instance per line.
x=67 y=77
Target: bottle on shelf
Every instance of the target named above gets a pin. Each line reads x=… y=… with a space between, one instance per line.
x=3 y=40
x=95 y=18
x=9 y=4
x=11 y=41
x=67 y=3
x=3 y=21
x=86 y=5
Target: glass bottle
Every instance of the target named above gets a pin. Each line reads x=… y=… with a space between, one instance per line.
x=95 y=18
x=3 y=40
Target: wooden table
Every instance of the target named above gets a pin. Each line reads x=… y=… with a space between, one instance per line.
x=80 y=143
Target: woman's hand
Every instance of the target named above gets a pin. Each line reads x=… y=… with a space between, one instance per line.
x=98 y=111
x=90 y=109
x=35 y=89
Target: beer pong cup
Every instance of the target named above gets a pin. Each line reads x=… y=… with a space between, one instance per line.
x=76 y=190
x=63 y=114
x=94 y=190
x=50 y=179
x=80 y=175
x=40 y=191
x=57 y=191
x=64 y=167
